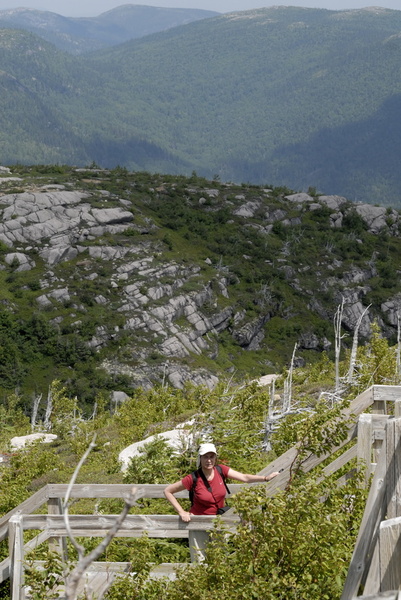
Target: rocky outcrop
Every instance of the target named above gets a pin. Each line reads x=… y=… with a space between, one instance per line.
x=251 y=335
x=353 y=309
x=392 y=309
x=20 y=442
x=163 y=317
x=59 y=219
x=374 y=216
x=179 y=440
x=310 y=341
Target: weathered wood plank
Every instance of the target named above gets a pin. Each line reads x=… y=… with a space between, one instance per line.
x=397 y=467
x=368 y=532
x=364 y=445
x=361 y=402
x=394 y=595
x=16 y=551
x=339 y=462
x=390 y=475
x=58 y=545
x=372 y=584
x=389 y=393
x=120 y=490
x=390 y=554
x=125 y=533
x=26 y=507
x=97 y=579
x=4 y=569
x=166 y=570
x=131 y=523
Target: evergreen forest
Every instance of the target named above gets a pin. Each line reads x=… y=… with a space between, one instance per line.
x=284 y=96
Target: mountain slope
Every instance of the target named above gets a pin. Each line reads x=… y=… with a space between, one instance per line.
x=244 y=90
x=280 y=96
x=113 y=280
x=80 y=35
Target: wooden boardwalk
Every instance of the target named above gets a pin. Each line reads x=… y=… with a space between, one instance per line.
x=376 y=564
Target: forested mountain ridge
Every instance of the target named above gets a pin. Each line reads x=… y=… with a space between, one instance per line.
x=78 y=35
x=116 y=279
x=289 y=96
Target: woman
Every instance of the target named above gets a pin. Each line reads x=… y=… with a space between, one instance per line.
x=209 y=492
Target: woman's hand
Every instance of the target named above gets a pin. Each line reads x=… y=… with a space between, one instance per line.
x=185 y=516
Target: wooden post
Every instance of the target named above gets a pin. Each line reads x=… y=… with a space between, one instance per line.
x=368 y=532
x=16 y=550
x=58 y=545
x=397 y=466
x=390 y=482
x=393 y=468
x=364 y=445
x=397 y=408
x=390 y=554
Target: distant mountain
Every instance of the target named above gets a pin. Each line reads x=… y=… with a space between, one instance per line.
x=277 y=96
x=80 y=35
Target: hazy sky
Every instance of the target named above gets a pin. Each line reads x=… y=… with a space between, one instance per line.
x=90 y=8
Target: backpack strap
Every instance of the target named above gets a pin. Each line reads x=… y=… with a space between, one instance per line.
x=199 y=473
x=220 y=470
x=195 y=476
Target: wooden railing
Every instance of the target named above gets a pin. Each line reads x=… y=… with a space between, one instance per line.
x=371 y=433
x=376 y=561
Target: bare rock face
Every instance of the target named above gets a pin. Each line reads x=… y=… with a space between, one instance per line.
x=391 y=309
x=172 y=311
x=333 y=202
x=300 y=198
x=374 y=216
x=353 y=309
x=250 y=335
x=179 y=440
x=23 y=261
x=19 y=442
x=59 y=216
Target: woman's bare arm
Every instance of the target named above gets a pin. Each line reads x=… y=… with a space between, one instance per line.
x=248 y=478
x=169 y=492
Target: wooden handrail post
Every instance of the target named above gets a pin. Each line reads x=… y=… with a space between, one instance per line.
x=390 y=555
x=369 y=530
x=59 y=545
x=364 y=445
x=16 y=550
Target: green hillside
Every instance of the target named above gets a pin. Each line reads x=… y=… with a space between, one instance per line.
x=87 y=34
x=275 y=95
x=119 y=280
x=280 y=96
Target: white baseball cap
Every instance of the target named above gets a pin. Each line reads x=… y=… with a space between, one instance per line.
x=205 y=448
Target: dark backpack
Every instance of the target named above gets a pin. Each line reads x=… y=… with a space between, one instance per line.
x=199 y=473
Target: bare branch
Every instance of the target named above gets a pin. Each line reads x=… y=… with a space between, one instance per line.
x=355 y=346
x=77 y=546
x=84 y=562
x=338 y=337
x=398 y=344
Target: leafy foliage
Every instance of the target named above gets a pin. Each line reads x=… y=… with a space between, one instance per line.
x=295 y=544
